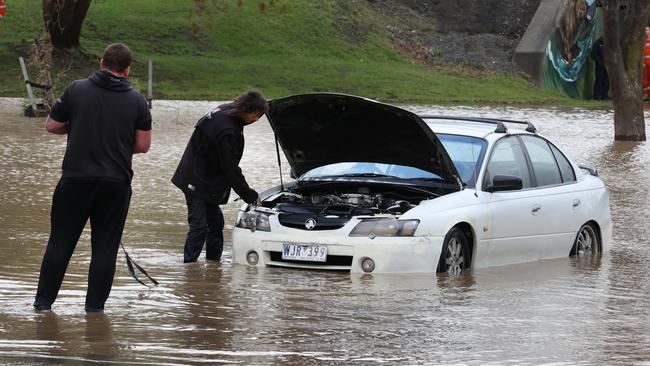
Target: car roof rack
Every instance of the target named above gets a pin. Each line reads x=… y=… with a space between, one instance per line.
x=501 y=128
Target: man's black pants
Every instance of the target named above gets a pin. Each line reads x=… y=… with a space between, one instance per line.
x=206 y=226
x=106 y=203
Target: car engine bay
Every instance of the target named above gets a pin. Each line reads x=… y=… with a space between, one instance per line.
x=332 y=206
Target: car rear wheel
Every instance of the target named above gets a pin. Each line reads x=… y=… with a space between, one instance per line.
x=586 y=243
x=454 y=258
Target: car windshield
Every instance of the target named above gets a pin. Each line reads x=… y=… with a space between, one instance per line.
x=358 y=169
x=465 y=152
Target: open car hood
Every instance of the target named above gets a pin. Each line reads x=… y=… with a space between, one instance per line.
x=320 y=129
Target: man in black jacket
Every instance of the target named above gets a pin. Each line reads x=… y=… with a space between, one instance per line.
x=106 y=122
x=209 y=168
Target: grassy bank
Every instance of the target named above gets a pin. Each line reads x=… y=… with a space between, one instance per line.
x=288 y=47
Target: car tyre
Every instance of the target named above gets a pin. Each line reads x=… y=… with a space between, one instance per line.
x=455 y=256
x=587 y=243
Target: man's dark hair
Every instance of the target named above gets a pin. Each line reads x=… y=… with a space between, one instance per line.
x=251 y=101
x=117 y=57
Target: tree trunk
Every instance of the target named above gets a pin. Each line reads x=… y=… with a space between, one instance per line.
x=63 y=20
x=624 y=24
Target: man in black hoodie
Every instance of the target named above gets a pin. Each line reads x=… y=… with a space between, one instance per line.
x=106 y=122
x=210 y=167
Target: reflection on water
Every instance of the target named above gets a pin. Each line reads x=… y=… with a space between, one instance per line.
x=564 y=311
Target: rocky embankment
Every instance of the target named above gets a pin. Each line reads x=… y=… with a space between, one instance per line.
x=477 y=33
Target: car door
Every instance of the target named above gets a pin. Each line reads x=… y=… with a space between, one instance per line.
x=559 y=197
x=513 y=221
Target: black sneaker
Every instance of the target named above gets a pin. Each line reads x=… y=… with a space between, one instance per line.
x=42 y=307
x=90 y=309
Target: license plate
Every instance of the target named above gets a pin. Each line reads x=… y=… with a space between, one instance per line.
x=302 y=252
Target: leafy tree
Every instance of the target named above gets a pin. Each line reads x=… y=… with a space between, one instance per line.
x=63 y=20
x=624 y=24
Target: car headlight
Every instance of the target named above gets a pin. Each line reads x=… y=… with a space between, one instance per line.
x=385 y=227
x=254 y=221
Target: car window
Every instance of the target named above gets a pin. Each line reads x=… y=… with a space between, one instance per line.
x=465 y=152
x=568 y=175
x=507 y=158
x=543 y=161
x=357 y=168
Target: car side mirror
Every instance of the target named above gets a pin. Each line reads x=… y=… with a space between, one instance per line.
x=589 y=169
x=504 y=183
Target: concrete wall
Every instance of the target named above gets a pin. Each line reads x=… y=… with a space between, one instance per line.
x=531 y=51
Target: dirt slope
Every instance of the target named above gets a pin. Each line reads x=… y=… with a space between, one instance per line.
x=479 y=33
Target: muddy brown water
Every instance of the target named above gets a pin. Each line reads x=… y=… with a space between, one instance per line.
x=559 y=311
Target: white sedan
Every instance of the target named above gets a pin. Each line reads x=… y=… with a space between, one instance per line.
x=381 y=189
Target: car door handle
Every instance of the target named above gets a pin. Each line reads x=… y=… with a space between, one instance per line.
x=576 y=203
x=536 y=209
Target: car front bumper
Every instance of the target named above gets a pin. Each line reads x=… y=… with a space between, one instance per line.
x=390 y=254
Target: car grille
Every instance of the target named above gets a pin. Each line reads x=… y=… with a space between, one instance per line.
x=301 y=226
x=332 y=260
x=322 y=223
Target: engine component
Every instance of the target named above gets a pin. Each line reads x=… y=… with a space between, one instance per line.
x=307 y=208
x=356 y=199
x=399 y=207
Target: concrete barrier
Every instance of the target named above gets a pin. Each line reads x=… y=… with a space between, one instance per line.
x=531 y=50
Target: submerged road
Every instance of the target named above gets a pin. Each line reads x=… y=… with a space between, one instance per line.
x=560 y=311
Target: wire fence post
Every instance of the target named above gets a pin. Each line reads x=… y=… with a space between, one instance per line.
x=150 y=85
x=30 y=92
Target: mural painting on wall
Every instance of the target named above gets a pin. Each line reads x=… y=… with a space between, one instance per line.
x=566 y=66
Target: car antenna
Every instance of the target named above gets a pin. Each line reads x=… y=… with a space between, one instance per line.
x=277 y=150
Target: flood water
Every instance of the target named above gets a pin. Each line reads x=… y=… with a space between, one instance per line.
x=557 y=312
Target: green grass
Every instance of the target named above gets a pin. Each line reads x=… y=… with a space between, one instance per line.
x=292 y=46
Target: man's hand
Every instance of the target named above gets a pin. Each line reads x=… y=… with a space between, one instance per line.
x=258 y=202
